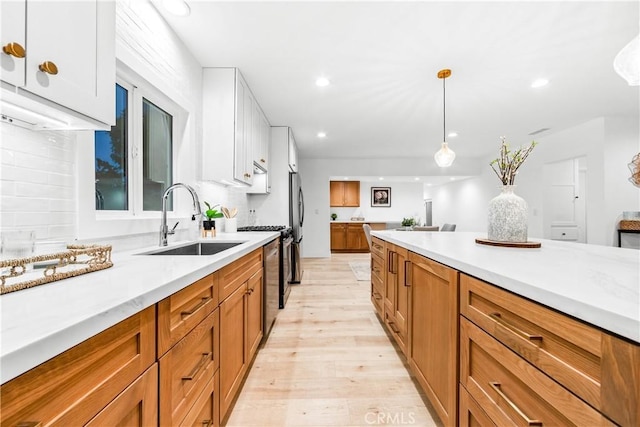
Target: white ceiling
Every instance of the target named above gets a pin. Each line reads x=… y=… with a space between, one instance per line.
x=382 y=59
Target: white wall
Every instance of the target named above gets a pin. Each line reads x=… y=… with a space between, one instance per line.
x=608 y=145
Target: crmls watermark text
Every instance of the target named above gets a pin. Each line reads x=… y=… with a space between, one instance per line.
x=395 y=418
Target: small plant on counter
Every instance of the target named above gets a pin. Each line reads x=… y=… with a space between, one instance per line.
x=509 y=161
x=408 y=222
x=334 y=216
x=211 y=213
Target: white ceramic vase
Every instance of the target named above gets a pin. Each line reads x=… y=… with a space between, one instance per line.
x=508 y=217
x=231 y=225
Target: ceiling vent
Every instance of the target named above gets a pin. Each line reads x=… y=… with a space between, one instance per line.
x=535 y=132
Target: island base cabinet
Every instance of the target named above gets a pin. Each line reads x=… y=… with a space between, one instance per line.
x=513 y=392
x=205 y=411
x=471 y=415
x=136 y=406
x=73 y=387
x=433 y=329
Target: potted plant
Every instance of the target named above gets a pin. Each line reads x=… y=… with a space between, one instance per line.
x=334 y=216
x=408 y=222
x=508 y=212
x=211 y=213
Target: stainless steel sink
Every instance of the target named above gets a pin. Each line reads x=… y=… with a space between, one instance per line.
x=199 y=248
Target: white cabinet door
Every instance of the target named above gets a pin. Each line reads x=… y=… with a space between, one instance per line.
x=71 y=35
x=293 y=153
x=13 y=31
x=239 y=152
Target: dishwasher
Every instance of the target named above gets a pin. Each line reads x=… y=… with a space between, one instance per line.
x=271 y=281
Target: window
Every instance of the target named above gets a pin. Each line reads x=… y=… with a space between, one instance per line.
x=134 y=160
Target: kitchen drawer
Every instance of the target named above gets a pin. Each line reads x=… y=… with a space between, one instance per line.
x=136 y=406
x=182 y=311
x=186 y=369
x=377 y=247
x=513 y=392
x=377 y=267
x=565 y=349
x=74 y=386
x=205 y=411
x=234 y=275
x=564 y=233
x=471 y=414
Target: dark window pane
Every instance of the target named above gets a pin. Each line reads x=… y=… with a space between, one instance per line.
x=111 y=160
x=157 y=167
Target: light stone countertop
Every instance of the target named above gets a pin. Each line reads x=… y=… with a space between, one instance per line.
x=348 y=221
x=597 y=284
x=39 y=323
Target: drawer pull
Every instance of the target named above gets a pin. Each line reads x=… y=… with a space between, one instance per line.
x=393 y=328
x=14 y=49
x=199 y=366
x=496 y=387
x=407 y=275
x=48 y=67
x=196 y=308
x=498 y=318
x=29 y=424
x=376 y=295
x=207 y=423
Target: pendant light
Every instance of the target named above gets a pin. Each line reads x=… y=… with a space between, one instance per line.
x=445 y=156
x=627 y=62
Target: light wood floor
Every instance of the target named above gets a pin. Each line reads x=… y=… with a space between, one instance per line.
x=328 y=360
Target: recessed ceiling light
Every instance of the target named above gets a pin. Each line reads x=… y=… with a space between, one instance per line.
x=429 y=184
x=346 y=178
x=417 y=178
x=322 y=81
x=381 y=178
x=322 y=135
x=539 y=83
x=452 y=134
x=176 y=7
x=453 y=178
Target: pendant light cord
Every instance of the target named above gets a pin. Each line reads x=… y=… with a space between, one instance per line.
x=444 y=111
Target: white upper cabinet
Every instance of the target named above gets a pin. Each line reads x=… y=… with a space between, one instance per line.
x=233 y=128
x=293 y=153
x=59 y=58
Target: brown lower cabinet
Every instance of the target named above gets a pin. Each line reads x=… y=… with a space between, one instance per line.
x=350 y=237
x=123 y=376
x=486 y=357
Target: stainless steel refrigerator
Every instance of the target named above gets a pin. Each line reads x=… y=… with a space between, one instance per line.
x=296 y=219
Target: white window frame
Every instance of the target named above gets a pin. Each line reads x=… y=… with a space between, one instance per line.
x=94 y=223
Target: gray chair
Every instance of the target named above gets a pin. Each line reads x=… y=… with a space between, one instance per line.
x=367 y=233
x=448 y=227
x=426 y=228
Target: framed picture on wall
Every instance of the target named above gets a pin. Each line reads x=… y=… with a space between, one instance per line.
x=381 y=197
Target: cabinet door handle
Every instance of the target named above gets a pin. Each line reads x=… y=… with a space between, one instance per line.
x=263 y=161
x=393 y=328
x=48 y=67
x=29 y=424
x=14 y=49
x=196 y=308
x=497 y=317
x=207 y=423
x=496 y=387
x=249 y=291
x=376 y=295
x=407 y=273
x=199 y=366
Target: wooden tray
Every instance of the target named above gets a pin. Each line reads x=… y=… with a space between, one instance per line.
x=509 y=244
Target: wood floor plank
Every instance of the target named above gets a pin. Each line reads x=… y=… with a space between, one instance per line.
x=329 y=361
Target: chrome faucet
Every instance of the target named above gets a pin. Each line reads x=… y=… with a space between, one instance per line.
x=164 y=229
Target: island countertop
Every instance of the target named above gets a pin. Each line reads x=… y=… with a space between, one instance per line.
x=41 y=322
x=599 y=285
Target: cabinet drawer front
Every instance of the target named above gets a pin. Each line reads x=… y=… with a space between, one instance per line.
x=182 y=311
x=471 y=414
x=238 y=272
x=377 y=268
x=74 y=386
x=205 y=411
x=187 y=368
x=566 y=350
x=135 y=406
x=513 y=392
x=377 y=247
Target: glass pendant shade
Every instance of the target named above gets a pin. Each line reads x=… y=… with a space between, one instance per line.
x=627 y=62
x=444 y=156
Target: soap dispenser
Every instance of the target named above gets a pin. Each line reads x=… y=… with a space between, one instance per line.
x=194 y=228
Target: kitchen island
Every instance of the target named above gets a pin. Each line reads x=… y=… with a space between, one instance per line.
x=540 y=330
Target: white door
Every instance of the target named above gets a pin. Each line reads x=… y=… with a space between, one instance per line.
x=565 y=200
x=13 y=30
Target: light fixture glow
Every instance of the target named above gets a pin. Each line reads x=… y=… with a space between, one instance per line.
x=322 y=82
x=322 y=135
x=176 y=7
x=627 y=62
x=539 y=83
x=445 y=156
x=452 y=134
x=381 y=178
x=417 y=178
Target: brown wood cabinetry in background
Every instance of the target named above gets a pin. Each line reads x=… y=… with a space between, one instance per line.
x=350 y=237
x=344 y=194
